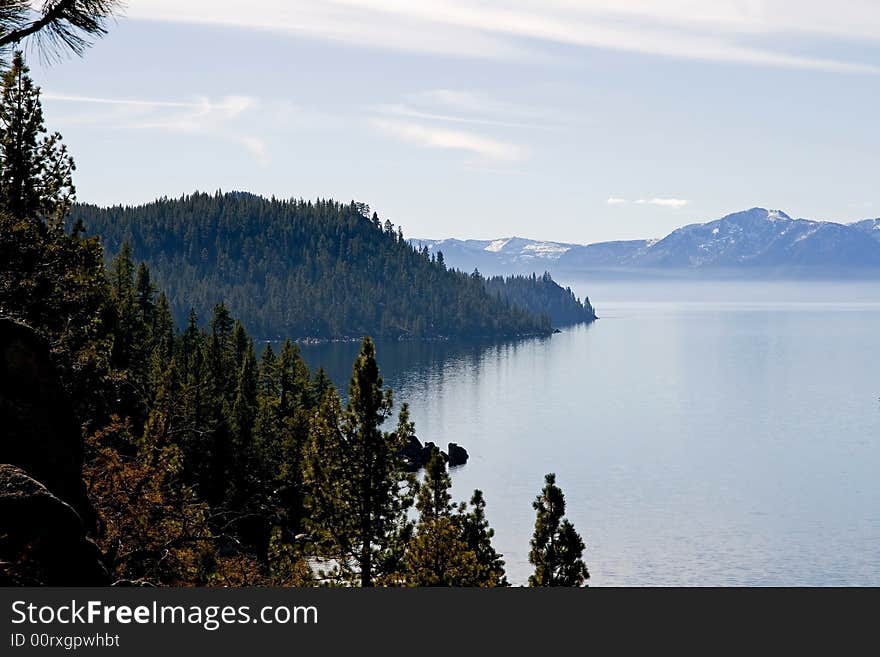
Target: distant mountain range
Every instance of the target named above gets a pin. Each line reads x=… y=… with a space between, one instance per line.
x=756 y=242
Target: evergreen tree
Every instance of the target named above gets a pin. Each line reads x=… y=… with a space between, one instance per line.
x=295 y=406
x=52 y=280
x=434 y=500
x=477 y=535
x=556 y=548
x=242 y=487
x=438 y=555
x=35 y=169
x=358 y=488
x=311 y=270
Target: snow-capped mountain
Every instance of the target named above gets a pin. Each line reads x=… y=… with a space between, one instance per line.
x=764 y=238
x=869 y=226
x=753 y=241
x=501 y=256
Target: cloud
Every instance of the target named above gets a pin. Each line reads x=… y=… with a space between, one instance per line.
x=459 y=105
x=662 y=202
x=407 y=111
x=430 y=137
x=201 y=117
x=757 y=32
x=92 y=100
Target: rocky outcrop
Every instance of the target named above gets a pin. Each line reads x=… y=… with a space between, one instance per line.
x=40 y=433
x=42 y=496
x=456 y=455
x=42 y=539
x=416 y=455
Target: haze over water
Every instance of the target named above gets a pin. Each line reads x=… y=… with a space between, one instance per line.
x=703 y=433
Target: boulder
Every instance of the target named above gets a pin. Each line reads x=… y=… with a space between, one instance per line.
x=40 y=432
x=417 y=455
x=456 y=455
x=412 y=454
x=42 y=539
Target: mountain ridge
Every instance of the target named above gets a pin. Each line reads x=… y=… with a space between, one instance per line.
x=753 y=240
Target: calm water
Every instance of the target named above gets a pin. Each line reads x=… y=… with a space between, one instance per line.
x=703 y=434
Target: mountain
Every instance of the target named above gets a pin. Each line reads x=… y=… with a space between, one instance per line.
x=292 y=268
x=765 y=239
x=754 y=242
x=869 y=226
x=502 y=256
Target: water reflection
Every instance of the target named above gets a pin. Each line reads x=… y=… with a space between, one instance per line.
x=423 y=364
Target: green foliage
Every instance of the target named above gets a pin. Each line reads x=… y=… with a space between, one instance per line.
x=543 y=297
x=437 y=556
x=556 y=548
x=359 y=491
x=36 y=176
x=477 y=535
x=205 y=464
x=452 y=545
x=434 y=498
x=56 y=26
x=302 y=269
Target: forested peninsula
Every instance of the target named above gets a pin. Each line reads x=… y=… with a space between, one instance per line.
x=318 y=270
x=138 y=452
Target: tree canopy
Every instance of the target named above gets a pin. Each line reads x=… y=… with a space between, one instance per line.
x=318 y=269
x=556 y=548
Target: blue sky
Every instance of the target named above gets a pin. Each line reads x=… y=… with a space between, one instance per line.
x=568 y=120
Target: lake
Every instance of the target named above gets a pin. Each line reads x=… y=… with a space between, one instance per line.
x=703 y=433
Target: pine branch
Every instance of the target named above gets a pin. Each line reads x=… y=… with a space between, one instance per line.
x=64 y=24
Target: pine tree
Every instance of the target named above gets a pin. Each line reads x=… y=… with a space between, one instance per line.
x=556 y=548
x=36 y=173
x=477 y=535
x=434 y=500
x=242 y=487
x=295 y=404
x=52 y=280
x=358 y=492
x=438 y=555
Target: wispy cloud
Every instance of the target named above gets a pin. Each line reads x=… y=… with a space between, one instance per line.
x=427 y=136
x=664 y=202
x=200 y=117
x=125 y=102
x=757 y=32
x=407 y=111
x=424 y=117
x=661 y=202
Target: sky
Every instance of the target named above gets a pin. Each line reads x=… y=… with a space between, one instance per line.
x=567 y=120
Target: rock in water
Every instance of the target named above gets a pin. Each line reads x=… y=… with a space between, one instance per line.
x=457 y=455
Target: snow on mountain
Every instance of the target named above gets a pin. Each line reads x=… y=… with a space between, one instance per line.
x=869 y=227
x=755 y=240
x=500 y=256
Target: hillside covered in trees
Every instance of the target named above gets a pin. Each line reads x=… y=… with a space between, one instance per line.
x=135 y=452
x=302 y=269
x=542 y=296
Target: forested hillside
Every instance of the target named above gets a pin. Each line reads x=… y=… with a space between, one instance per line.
x=302 y=269
x=542 y=296
x=138 y=453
